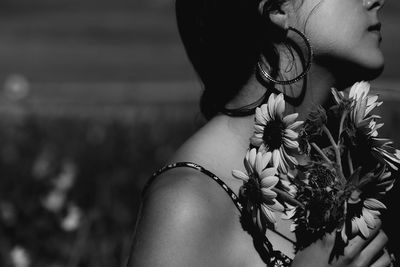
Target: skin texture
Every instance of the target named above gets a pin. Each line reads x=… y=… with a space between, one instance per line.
x=348 y=39
x=188 y=220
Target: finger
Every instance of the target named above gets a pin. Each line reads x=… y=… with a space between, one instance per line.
x=357 y=244
x=383 y=261
x=373 y=249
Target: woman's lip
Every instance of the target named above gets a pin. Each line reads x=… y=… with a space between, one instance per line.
x=375 y=27
x=378 y=34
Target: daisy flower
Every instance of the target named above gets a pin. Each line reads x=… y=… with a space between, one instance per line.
x=363 y=104
x=358 y=96
x=276 y=133
x=384 y=152
x=365 y=125
x=366 y=218
x=385 y=183
x=259 y=182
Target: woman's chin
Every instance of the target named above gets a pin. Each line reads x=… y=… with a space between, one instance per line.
x=365 y=72
x=373 y=66
x=372 y=72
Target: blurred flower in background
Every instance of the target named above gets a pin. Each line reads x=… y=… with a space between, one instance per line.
x=19 y=257
x=72 y=219
x=70 y=187
x=16 y=87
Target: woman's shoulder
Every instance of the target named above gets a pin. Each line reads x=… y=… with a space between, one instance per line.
x=185 y=191
x=184 y=213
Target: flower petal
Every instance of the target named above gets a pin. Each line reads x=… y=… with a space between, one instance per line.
x=295 y=125
x=372 y=99
x=269 y=181
x=279 y=106
x=277 y=206
x=259 y=163
x=343 y=234
x=289 y=188
x=291 y=134
x=292 y=160
x=268 y=213
x=256 y=141
x=373 y=204
x=375 y=213
x=289 y=119
x=268 y=172
x=271 y=106
x=275 y=158
x=265 y=112
x=252 y=157
x=369 y=218
x=259 y=117
x=283 y=162
x=370 y=108
x=268 y=194
x=293 y=227
x=362 y=226
x=258 y=128
x=288 y=214
x=240 y=175
x=290 y=143
x=266 y=158
x=337 y=95
x=354 y=226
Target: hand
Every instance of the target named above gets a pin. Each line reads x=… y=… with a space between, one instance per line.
x=359 y=252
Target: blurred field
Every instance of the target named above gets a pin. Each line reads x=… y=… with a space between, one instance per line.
x=70 y=186
x=91 y=41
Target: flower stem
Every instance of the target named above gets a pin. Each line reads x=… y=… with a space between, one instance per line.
x=321 y=153
x=287 y=197
x=344 y=115
x=336 y=149
x=350 y=162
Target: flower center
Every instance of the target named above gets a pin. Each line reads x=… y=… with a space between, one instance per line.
x=253 y=190
x=321 y=177
x=273 y=133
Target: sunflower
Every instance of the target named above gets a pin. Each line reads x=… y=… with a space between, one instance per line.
x=363 y=126
x=358 y=95
x=366 y=125
x=275 y=133
x=363 y=104
x=367 y=213
x=385 y=182
x=259 y=182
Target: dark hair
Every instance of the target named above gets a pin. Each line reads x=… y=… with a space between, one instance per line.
x=224 y=40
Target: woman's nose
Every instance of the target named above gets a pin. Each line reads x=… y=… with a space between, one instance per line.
x=373 y=4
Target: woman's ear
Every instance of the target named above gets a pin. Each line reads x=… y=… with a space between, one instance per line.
x=277 y=14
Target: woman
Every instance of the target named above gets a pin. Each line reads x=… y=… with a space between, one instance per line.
x=243 y=51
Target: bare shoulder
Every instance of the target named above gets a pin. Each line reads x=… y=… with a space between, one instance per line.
x=185 y=220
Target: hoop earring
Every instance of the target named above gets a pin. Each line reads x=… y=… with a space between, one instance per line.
x=267 y=77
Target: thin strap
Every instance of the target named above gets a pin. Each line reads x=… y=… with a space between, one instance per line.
x=277 y=258
x=195 y=166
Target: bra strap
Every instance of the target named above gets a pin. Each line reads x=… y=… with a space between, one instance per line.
x=277 y=259
x=197 y=167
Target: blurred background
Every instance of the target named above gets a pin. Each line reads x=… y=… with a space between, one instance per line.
x=94 y=96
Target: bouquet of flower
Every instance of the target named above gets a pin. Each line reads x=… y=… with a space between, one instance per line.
x=323 y=176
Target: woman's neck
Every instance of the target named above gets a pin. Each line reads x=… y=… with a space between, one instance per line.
x=317 y=85
x=317 y=91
